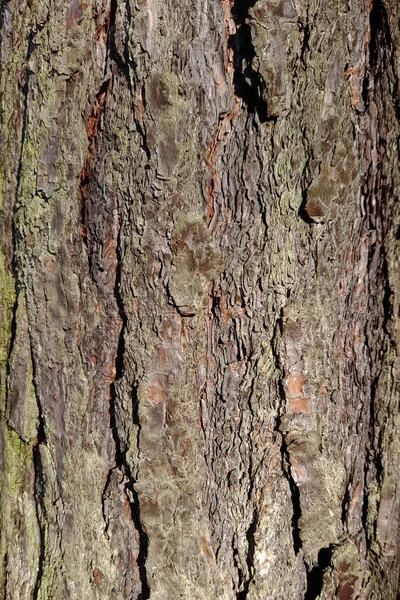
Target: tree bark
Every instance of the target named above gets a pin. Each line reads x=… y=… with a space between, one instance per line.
x=199 y=319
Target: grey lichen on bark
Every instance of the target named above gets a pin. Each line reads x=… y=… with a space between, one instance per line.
x=199 y=300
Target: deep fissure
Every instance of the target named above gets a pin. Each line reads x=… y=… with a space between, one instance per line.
x=248 y=83
x=245 y=579
x=250 y=533
x=285 y=466
x=39 y=483
x=86 y=181
x=122 y=463
x=40 y=515
x=93 y=125
x=120 y=453
x=236 y=562
x=5 y=562
x=295 y=494
x=123 y=63
x=380 y=31
x=315 y=575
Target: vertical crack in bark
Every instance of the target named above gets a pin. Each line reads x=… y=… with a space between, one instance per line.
x=379 y=181
x=143 y=537
x=120 y=453
x=285 y=457
x=85 y=182
x=5 y=580
x=246 y=581
x=236 y=562
x=381 y=57
x=380 y=32
x=248 y=83
x=40 y=512
x=92 y=128
x=214 y=154
x=378 y=93
x=304 y=28
x=122 y=62
x=130 y=491
x=13 y=332
x=248 y=87
x=25 y=94
x=242 y=108
x=39 y=483
x=24 y=84
x=294 y=492
x=315 y=576
x=87 y=216
x=16 y=267
x=251 y=545
x=224 y=126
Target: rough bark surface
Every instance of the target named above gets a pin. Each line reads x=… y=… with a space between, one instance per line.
x=199 y=305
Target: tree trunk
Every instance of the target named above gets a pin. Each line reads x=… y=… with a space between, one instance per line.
x=200 y=295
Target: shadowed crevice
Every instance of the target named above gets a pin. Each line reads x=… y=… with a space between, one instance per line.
x=381 y=54
x=380 y=38
x=39 y=482
x=249 y=84
x=245 y=575
x=89 y=213
x=86 y=178
x=295 y=495
x=133 y=498
x=250 y=533
x=315 y=576
x=124 y=63
x=40 y=515
x=121 y=461
x=285 y=465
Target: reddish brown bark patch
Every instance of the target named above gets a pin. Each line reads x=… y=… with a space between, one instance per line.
x=97 y=576
x=295 y=384
x=299 y=406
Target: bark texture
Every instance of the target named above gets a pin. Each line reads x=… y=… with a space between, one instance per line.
x=199 y=306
